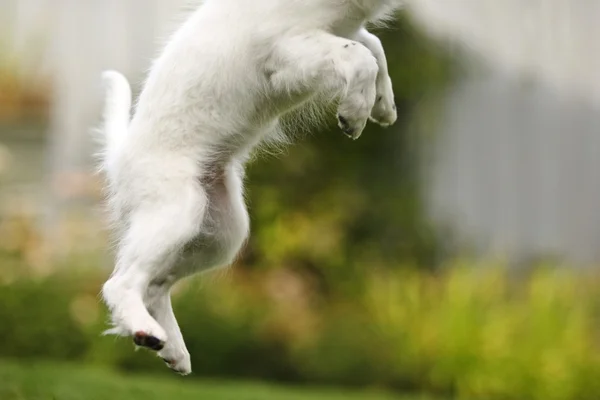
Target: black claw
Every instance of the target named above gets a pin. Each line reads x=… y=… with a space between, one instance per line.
x=345 y=126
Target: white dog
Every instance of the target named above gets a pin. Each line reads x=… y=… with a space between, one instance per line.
x=218 y=89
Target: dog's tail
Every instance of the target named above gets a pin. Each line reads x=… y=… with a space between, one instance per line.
x=117 y=109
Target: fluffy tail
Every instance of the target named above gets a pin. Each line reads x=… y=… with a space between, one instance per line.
x=117 y=116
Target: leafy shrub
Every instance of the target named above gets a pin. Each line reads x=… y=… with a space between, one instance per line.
x=472 y=333
x=36 y=321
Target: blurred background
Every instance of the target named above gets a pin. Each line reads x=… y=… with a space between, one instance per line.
x=452 y=255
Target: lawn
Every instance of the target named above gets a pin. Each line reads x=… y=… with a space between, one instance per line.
x=48 y=381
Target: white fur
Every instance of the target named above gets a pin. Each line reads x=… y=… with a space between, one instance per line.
x=218 y=89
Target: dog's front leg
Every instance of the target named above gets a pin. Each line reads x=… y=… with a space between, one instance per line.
x=384 y=111
x=318 y=62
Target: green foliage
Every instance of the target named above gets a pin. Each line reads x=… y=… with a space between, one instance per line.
x=69 y=382
x=35 y=321
x=477 y=335
x=470 y=333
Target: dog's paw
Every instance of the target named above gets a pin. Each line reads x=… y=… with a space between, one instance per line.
x=149 y=341
x=384 y=111
x=358 y=101
x=351 y=127
x=355 y=109
x=177 y=360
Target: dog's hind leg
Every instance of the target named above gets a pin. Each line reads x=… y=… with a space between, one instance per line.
x=221 y=235
x=157 y=230
x=175 y=353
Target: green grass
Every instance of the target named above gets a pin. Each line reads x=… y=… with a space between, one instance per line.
x=47 y=381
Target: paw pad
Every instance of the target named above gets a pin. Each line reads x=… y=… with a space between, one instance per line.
x=142 y=339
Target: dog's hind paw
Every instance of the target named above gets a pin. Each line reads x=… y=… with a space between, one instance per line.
x=178 y=361
x=142 y=339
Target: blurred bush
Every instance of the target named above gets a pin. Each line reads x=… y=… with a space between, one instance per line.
x=18 y=99
x=480 y=334
x=469 y=332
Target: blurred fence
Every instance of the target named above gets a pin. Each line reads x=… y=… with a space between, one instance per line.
x=517 y=166
x=517 y=170
x=551 y=40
